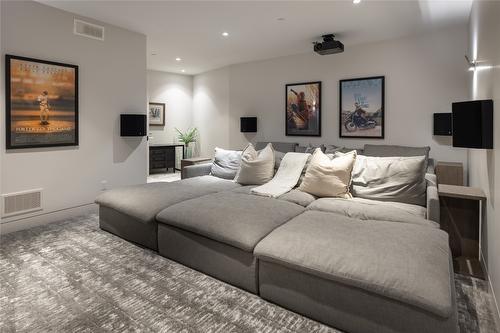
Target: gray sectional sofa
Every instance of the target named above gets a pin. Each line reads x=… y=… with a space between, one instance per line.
x=354 y=264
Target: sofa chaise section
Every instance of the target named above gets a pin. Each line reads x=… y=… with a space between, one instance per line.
x=129 y=212
x=217 y=233
x=360 y=275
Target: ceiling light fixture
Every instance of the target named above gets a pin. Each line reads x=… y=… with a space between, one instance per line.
x=356 y=1
x=280 y=18
x=183 y=70
x=178 y=59
x=225 y=34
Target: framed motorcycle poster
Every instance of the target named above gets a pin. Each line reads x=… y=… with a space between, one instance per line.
x=41 y=103
x=362 y=108
x=303 y=109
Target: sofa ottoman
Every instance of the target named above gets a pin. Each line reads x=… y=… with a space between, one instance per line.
x=130 y=211
x=360 y=275
x=217 y=233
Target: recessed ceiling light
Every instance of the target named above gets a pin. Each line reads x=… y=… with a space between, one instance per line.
x=183 y=70
x=280 y=18
x=178 y=59
x=356 y=1
x=153 y=53
x=225 y=34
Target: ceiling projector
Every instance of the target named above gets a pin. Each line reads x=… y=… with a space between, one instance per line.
x=329 y=45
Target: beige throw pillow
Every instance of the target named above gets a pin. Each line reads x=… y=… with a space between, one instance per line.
x=327 y=177
x=256 y=168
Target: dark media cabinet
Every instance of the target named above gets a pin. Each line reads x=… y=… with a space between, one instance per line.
x=162 y=156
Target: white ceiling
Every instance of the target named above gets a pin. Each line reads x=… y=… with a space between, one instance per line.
x=192 y=30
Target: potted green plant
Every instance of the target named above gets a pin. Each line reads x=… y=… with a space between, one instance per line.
x=187 y=137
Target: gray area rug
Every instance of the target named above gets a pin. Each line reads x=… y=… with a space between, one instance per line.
x=71 y=276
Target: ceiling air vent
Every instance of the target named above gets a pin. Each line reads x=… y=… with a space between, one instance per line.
x=89 y=30
x=21 y=202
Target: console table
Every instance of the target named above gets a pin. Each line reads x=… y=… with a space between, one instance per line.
x=162 y=156
x=461 y=216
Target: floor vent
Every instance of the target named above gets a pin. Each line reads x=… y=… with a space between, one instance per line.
x=89 y=30
x=21 y=202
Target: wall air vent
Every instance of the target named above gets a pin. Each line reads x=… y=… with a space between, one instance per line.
x=89 y=30
x=21 y=202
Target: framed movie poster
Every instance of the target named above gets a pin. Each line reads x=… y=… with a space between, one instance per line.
x=362 y=108
x=41 y=103
x=156 y=114
x=303 y=109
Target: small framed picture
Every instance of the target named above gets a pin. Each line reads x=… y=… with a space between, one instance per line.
x=157 y=114
x=41 y=103
x=303 y=109
x=362 y=108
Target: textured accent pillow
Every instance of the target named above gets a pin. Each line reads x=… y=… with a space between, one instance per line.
x=256 y=168
x=226 y=163
x=398 y=179
x=326 y=177
x=309 y=149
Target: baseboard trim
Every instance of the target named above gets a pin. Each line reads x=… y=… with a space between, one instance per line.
x=485 y=267
x=46 y=218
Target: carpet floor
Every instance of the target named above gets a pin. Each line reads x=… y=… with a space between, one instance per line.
x=70 y=276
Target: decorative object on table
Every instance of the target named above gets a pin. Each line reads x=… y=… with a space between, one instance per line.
x=156 y=114
x=192 y=161
x=41 y=103
x=450 y=173
x=303 y=109
x=188 y=137
x=132 y=125
x=473 y=124
x=248 y=124
x=462 y=209
x=362 y=107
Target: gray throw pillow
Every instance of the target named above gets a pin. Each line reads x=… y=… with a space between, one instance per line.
x=309 y=149
x=398 y=179
x=226 y=163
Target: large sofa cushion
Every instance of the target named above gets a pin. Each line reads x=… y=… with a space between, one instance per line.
x=226 y=163
x=257 y=167
x=284 y=147
x=398 y=179
x=143 y=202
x=233 y=218
x=365 y=209
x=404 y=262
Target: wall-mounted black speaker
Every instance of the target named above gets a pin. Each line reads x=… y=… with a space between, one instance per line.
x=442 y=124
x=248 y=124
x=473 y=124
x=132 y=125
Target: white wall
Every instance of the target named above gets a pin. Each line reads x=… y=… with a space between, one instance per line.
x=424 y=75
x=484 y=168
x=176 y=91
x=112 y=81
x=211 y=110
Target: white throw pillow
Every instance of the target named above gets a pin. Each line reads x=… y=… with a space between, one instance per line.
x=226 y=163
x=256 y=168
x=326 y=177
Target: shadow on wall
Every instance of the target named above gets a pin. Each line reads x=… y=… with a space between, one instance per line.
x=123 y=147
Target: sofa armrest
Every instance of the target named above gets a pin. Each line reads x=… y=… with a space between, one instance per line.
x=433 y=210
x=196 y=170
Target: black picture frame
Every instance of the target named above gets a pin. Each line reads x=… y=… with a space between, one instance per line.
x=163 y=107
x=343 y=128
x=8 y=103
x=291 y=132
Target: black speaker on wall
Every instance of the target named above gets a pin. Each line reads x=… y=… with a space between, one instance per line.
x=132 y=125
x=473 y=124
x=248 y=124
x=442 y=124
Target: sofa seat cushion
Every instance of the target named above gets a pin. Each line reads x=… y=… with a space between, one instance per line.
x=143 y=202
x=294 y=196
x=367 y=209
x=232 y=218
x=404 y=262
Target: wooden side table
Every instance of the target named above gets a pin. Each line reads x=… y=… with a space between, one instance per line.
x=461 y=216
x=450 y=173
x=192 y=161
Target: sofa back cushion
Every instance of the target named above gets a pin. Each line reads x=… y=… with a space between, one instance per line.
x=326 y=177
x=395 y=151
x=284 y=147
x=256 y=168
x=226 y=163
x=398 y=179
